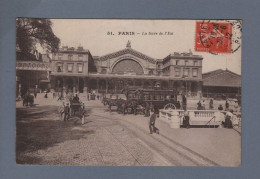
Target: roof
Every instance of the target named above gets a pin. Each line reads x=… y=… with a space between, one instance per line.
x=127 y=51
x=224 y=78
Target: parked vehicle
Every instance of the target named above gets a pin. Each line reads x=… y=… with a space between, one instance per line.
x=162 y=99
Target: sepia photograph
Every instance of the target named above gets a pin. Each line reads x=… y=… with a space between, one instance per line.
x=128 y=92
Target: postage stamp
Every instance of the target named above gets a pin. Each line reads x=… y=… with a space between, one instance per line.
x=215 y=37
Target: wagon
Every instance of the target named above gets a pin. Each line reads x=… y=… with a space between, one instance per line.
x=75 y=107
x=162 y=99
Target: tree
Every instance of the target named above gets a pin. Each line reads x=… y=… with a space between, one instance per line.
x=30 y=32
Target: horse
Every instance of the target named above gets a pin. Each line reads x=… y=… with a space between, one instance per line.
x=28 y=98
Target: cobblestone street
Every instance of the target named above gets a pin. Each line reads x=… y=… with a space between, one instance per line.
x=111 y=139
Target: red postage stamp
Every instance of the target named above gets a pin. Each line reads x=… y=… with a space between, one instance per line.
x=214 y=37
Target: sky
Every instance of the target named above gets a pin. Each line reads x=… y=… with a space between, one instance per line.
x=179 y=36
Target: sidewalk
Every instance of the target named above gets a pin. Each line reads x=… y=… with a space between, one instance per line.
x=220 y=145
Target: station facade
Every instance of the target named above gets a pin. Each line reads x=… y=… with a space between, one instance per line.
x=76 y=70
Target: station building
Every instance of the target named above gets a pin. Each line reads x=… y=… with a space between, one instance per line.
x=220 y=84
x=76 y=70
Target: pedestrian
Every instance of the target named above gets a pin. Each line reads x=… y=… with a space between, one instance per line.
x=211 y=104
x=61 y=109
x=59 y=97
x=147 y=109
x=83 y=113
x=228 y=118
x=66 y=112
x=152 y=121
x=220 y=107
x=54 y=95
x=199 y=107
x=184 y=102
x=35 y=93
x=203 y=105
x=46 y=95
x=227 y=106
x=186 y=120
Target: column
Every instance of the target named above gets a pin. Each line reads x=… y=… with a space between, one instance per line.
x=19 y=92
x=74 y=85
x=199 y=92
x=97 y=84
x=85 y=88
x=63 y=92
x=106 y=85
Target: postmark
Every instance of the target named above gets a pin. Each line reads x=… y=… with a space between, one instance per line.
x=218 y=36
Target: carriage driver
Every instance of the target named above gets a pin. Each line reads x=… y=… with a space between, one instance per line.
x=75 y=99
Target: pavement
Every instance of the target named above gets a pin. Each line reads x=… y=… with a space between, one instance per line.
x=112 y=139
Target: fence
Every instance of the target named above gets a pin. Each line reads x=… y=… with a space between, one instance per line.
x=197 y=117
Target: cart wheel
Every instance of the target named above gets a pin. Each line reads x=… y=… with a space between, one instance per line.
x=169 y=106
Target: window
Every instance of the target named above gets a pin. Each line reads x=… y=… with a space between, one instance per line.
x=80 y=68
x=177 y=72
x=177 y=62
x=70 y=57
x=150 y=72
x=195 y=63
x=59 y=56
x=80 y=57
x=194 y=72
x=186 y=72
x=59 y=67
x=70 y=67
x=186 y=63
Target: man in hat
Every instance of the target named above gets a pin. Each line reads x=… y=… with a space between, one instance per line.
x=76 y=99
x=152 y=121
x=186 y=119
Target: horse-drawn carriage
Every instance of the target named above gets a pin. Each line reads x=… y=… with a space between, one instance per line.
x=28 y=98
x=73 y=108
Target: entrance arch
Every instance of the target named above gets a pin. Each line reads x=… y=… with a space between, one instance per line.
x=127 y=65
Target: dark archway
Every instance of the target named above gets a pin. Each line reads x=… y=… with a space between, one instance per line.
x=81 y=85
x=102 y=84
x=165 y=85
x=92 y=84
x=69 y=82
x=58 y=84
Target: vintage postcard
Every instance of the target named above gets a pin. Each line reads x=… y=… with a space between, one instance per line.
x=126 y=92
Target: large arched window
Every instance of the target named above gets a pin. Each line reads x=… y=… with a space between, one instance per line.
x=128 y=66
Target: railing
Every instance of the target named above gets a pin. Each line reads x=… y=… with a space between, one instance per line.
x=208 y=123
x=32 y=65
x=197 y=117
